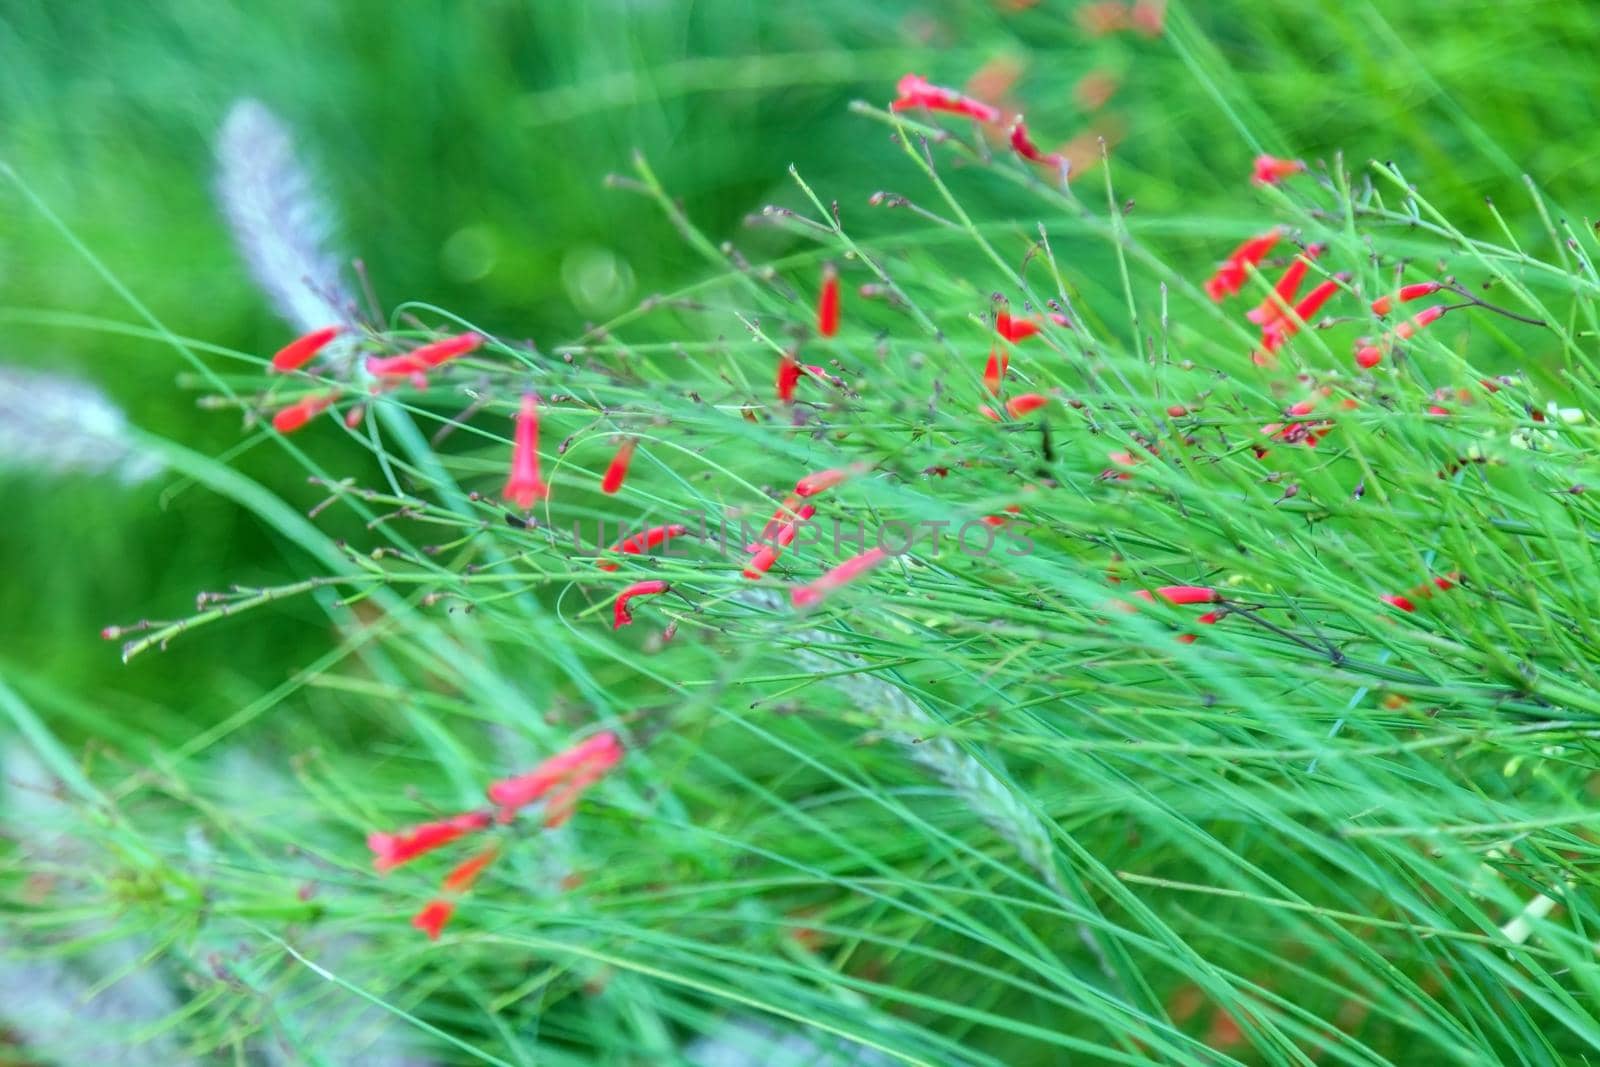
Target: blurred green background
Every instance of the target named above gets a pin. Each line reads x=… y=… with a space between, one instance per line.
x=464 y=146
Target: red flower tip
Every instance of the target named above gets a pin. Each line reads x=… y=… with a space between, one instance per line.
x=301 y=350
x=302 y=411
x=432 y=918
x=1176 y=411
x=392 y=850
x=524 y=486
x=1023 y=146
x=1368 y=356
x=1016 y=329
x=810 y=595
x=1269 y=170
x=915 y=91
x=821 y=481
x=828 y=302
x=788 y=375
x=767 y=555
x=464 y=874
x=1181 y=594
x=621 y=615
x=1230 y=275
x=1420 y=321
x=419 y=360
x=1384 y=304
x=1274 y=307
x=994 y=371
x=1018 y=406
x=618 y=471
x=574 y=770
x=641 y=543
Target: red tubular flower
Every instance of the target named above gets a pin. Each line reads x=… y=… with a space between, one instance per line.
x=828 y=302
x=1180 y=594
x=1023 y=146
x=915 y=91
x=641 y=543
x=1000 y=520
x=584 y=762
x=1016 y=329
x=788 y=375
x=1384 y=304
x=302 y=411
x=299 y=352
x=621 y=616
x=1018 y=406
x=1274 y=336
x=1269 y=170
x=618 y=471
x=808 y=486
x=1230 y=275
x=1420 y=321
x=524 y=486
x=807 y=596
x=767 y=555
x=392 y=850
x=1368 y=356
x=994 y=371
x=821 y=481
x=1404 y=601
x=436 y=913
x=421 y=360
x=1274 y=307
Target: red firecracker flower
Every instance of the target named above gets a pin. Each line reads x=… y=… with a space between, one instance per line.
x=1384 y=304
x=621 y=615
x=302 y=411
x=917 y=92
x=767 y=555
x=392 y=850
x=810 y=595
x=828 y=302
x=563 y=777
x=436 y=913
x=640 y=543
x=1230 y=275
x=994 y=372
x=617 y=472
x=1407 y=601
x=788 y=375
x=1269 y=170
x=1023 y=146
x=419 y=361
x=302 y=350
x=524 y=486
x=1274 y=307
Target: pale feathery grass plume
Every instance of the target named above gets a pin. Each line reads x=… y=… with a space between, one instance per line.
x=985 y=794
x=752 y=1042
x=58 y=425
x=61 y=1004
x=279 y=219
x=55 y=993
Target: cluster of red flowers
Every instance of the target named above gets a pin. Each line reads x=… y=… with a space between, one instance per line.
x=916 y=92
x=559 y=781
x=409 y=366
